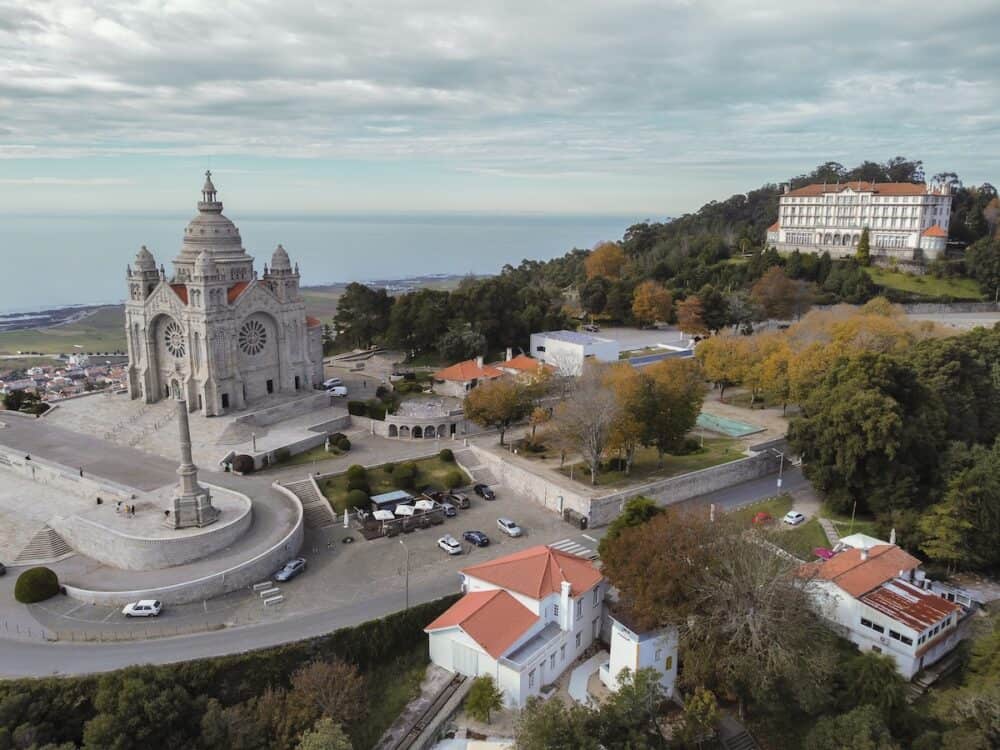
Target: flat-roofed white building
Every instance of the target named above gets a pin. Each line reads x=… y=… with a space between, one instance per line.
x=635 y=649
x=906 y=221
x=568 y=350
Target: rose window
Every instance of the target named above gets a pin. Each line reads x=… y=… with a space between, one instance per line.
x=253 y=337
x=173 y=338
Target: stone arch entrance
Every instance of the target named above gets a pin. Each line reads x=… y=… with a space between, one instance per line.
x=429 y=431
x=393 y=431
x=417 y=432
x=404 y=431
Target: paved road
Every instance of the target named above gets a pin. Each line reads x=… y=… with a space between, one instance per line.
x=751 y=492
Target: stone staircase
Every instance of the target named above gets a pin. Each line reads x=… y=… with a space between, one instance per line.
x=741 y=741
x=45 y=546
x=480 y=474
x=316 y=508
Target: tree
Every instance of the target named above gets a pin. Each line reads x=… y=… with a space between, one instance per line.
x=722 y=361
x=594 y=295
x=864 y=254
x=629 y=718
x=605 y=260
x=871 y=679
x=325 y=735
x=651 y=303
x=633 y=413
x=362 y=314
x=585 y=419
x=691 y=317
x=945 y=535
x=484 y=698
x=781 y=298
x=701 y=712
x=636 y=512
x=982 y=259
x=774 y=374
x=539 y=416
x=498 y=404
x=859 y=729
x=552 y=725
x=460 y=342
x=335 y=689
x=677 y=393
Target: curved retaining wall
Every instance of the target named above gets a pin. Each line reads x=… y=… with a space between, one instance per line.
x=240 y=576
x=130 y=552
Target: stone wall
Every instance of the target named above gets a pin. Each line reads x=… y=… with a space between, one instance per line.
x=243 y=575
x=295 y=408
x=47 y=472
x=928 y=308
x=130 y=552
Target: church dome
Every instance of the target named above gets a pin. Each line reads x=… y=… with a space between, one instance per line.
x=210 y=229
x=144 y=260
x=280 y=261
x=204 y=266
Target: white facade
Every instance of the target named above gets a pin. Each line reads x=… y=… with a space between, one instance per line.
x=568 y=350
x=214 y=333
x=634 y=651
x=905 y=221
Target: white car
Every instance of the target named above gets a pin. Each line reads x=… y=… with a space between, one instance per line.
x=337 y=390
x=450 y=545
x=793 y=518
x=508 y=527
x=143 y=608
x=332 y=382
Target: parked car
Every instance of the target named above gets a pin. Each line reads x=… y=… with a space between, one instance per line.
x=450 y=511
x=761 y=518
x=450 y=545
x=332 y=382
x=591 y=328
x=508 y=527
x=292 y=568
x=143 y=608
x=458 y=500
x=3 y=569
x=337 y=390
x=477 y=538
x=432 y=494
x=793 y=518
x=484 y=492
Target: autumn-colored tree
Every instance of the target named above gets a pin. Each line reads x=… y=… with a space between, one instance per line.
x=780 y=297
x=678 y=392
x=334 y=688
x=605 y=260
x=776 y=382
x=722 y=361
x=691 y=317
x=584 y=421
x=651 y=303
x=627 y=431
x=498 y=404
x=325 y=735
x=539 y=416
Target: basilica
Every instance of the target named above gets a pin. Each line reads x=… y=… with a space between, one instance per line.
x=215 y=333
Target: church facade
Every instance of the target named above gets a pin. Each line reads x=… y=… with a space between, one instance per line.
x=215 y=333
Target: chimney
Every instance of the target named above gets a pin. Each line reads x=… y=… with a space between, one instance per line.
x=479 y=361
x=566 y=606
x=788 y=188
x=510 y=354
x=864 y=554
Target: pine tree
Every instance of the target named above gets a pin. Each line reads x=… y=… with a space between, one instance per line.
x=864 y=249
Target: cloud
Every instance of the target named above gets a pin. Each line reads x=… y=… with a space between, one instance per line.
x=516 y=90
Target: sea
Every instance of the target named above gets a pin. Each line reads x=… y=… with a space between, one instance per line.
x=56 y=261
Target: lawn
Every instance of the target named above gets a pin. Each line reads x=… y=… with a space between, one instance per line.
x=929 y=286
x=842 y=522
x=390 y=687
x=800 y=540
x=430 y=471
x=776 y=507
x=647 y=466
x=319 y=453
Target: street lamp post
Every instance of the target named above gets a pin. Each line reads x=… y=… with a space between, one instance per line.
x=407 y=577
x=781 y=466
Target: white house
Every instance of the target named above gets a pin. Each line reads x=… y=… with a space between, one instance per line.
x=635 y=649
x=883 y=603
x=905 y=220
x=523 y=620
x=568 y=350
x=461 y=377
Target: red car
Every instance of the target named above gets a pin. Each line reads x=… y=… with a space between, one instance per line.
x=761 y=518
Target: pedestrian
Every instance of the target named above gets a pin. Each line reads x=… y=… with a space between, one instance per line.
x=81 y=472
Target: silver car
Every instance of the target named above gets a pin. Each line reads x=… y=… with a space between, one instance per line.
x=508 y=527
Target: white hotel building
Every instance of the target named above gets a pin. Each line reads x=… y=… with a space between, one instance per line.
x=905 y=221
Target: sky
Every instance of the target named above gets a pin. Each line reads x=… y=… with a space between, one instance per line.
x=623 y=107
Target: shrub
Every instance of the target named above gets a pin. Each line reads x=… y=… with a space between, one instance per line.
x=453 y=479
x=356 y=471
x=357 y=408
x=357 y=499
x=410 y=466
x=376 y=410
x=281 y=455
x=344 y=444
x=336 y=437
x=358 y=483
x=403 y=478
x=36 y=585
x=389 y=467
x=446 y=455
x=382 y=391
x=243 y=464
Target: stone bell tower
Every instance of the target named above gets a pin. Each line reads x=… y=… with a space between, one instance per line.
x=192 y=504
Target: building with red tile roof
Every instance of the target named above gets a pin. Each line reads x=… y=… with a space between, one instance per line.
x=524 y=618
x=461 y=377
x=877 y=595
x=906 y=221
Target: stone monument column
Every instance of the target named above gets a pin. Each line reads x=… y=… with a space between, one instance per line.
x=192 y=504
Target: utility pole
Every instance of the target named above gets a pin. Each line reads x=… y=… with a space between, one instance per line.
x=407 y=573
x=781 y=466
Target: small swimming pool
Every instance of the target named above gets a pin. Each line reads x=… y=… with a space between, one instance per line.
x=728 y=427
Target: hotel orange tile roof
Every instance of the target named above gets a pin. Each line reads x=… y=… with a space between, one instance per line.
x=493 y=619
x=181 y=291
x=538 y=572
x=774 y=227
x=312 y=322
x=934 y=230
x=879 y=188
x=909 y=605
x=236 y=290
x=467 y=370
x=858 y=576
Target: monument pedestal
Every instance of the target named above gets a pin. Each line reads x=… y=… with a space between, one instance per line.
x=193 y=503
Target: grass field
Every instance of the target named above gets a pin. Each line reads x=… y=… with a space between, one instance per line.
x=958 y=288
x=800 y=540
x=430 y=471
x=842 y=522
x=647 y=466
x=102 y=331
x=776 y=507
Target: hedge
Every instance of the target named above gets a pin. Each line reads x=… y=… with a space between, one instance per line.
x=344 y=444
x=243 y=464
x=357 y=499
x=36 y=585
x=357 y=408
x=446 y=455
x=356 y=471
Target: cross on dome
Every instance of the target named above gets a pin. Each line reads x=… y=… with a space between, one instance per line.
x=208 y=189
